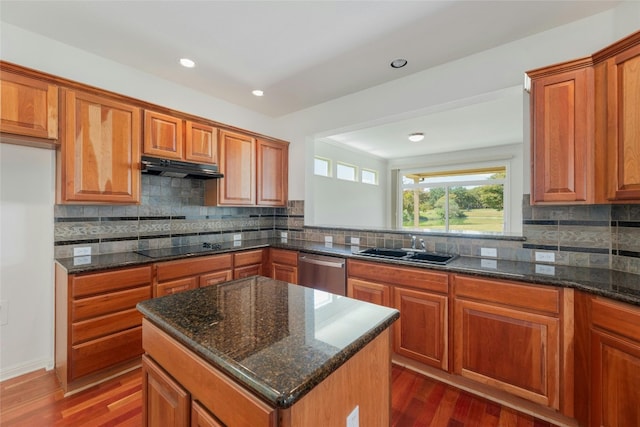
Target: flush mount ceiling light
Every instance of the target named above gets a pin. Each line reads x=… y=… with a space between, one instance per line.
x=257 y=92
x=416 y=137
x=187 y=63
x=398 y=63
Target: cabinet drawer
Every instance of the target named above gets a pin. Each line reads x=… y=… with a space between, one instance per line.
x=530 y=297
x=192 y=267
x=282 y=256
x=215 y=278
x=176 y=286
x=108 y=303
x=414 y=277
x=619 y=318
x=247 y=258
x=105 y=325
x=105 y=352
x=248 y=271
x=109 y=281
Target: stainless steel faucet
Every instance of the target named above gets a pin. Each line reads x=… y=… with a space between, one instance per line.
x=413 y=242
x=423 y=245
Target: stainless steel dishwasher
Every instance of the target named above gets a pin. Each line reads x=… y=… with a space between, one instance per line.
x=322 y=272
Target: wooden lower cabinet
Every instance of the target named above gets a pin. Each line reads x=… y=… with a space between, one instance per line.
x=283 y=265
x=421 y=296
x=167 y=403
x=615 y=364
x=508 y=336
x=186 y=274
x=248 y=263
x=98 y=329
x=200 y=417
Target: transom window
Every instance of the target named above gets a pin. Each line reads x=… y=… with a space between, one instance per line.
x=346 y=172
x=470 y=200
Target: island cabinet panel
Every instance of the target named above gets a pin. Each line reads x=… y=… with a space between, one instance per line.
x=615 y=363
x=167 y=402
x=283 y=265
x=619 y=81
x=562 y=134
x=185 y=274
x=163 y=135
x=29 y=106
x=508 y=336
x=98 y=328
x=99 y=159
x=229 y=402
x=248 y=263
x=200 y=417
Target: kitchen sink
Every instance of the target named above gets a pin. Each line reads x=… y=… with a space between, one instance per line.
x=409 y=255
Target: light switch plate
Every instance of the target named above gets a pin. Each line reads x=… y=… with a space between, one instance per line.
x=283 y=234
x=355 y=240
x=328 y=239
x=545 y=257
x=237 y=237
x=489 y=252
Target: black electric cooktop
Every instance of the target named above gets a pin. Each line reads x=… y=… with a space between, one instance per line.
x=180 y=250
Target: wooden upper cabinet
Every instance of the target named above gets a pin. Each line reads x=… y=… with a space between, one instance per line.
x=562 y=133
x=174 y=138
x=238 y=164
x=272 y=173
x=201 y=143
x=163 y=135
x=618 y=87
x=29 y=106
x=99 y=160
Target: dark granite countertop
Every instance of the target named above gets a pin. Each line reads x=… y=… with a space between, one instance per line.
x=278 y=340
x=600 y=281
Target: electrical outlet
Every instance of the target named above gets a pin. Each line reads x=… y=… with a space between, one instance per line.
x=237 y=237
x=545 y=257
x=4 y=313
x=353 y=419
x=355 y=241
x=283 y=234
x=328 y=239
x=489 y=252
x=83 y=251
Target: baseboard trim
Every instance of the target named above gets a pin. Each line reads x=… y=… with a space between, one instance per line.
x=25 y=368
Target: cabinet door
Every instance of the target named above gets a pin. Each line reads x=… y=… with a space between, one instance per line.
x=509 y=349
x=216 y=278
x=29 y=106
x=201 y=143
x=162 y=135
x=286 y=273
x=623 y=127
x=100 y=152
x=272 y=173
x=238 y=164
x=200 y=417
x=164 y=401
x=375 y=293
x=176 y=286
x=562 y=140
x=422 y=333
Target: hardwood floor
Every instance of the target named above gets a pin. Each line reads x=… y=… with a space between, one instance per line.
x=36 y=399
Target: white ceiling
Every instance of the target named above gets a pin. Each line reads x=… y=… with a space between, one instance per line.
x=301 y=53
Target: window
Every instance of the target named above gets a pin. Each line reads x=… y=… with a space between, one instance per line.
x=369 y=177
x=455 y=201
x=321 y=166
x=346 y=172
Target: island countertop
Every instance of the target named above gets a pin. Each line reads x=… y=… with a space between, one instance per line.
x=277 y=339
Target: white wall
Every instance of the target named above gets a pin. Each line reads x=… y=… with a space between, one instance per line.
x=350 y=204
x=27 y=194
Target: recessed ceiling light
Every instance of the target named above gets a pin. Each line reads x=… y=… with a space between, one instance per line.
x=398 y=63
x=257 y=92
x=186 y=62
x=416 y=137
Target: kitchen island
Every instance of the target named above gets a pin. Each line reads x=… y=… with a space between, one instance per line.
x=261 y=352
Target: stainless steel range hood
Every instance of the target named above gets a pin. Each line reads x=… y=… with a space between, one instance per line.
x=179 y=169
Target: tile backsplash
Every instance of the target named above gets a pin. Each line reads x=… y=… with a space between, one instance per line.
x=171 y=214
